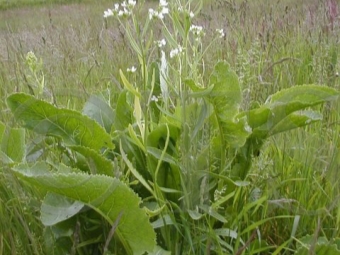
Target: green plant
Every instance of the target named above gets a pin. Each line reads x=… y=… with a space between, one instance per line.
x=174 y=134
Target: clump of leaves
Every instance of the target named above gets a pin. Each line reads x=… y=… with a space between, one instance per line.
x=180 y=149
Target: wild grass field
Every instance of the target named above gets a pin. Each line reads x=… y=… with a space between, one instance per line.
x=177 y=141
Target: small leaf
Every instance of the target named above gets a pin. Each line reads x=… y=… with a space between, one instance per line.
x=157 y=153
x=106 y=195
x=95 y=161
x=73 y=127
x=226 y=232
x=123 y=113
x=56 y=208
x=96 y=108
x=159 y=251
x=5 y=159
x=13 y=144
x=138 y=114
x=195 y=215
x=198 y=92
x=137 y=175
x=135 y=139
x=128 y=85
x=213 y=213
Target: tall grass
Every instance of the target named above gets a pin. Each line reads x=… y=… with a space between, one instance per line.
x=271 y=47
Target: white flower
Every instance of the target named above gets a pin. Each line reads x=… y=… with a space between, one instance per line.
x=161 y=11
x=160 y=15
x=122 y=10
x=132 y=69
x=131 y=4
x=165 y=10
x=124 y=4
x=120 y=13
x=151 y=13
x=161 y=43
x=108 y=13
x=154 y=98
x=197 y=31
x=186 y=12
x=163 y=3
x=220 y=33
x=176 y=51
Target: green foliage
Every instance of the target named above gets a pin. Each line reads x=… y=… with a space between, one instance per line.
x=108 y=196
x=217 y=168
x=84 y=137
x=73 y=127
x=317 y=245
x=12 y=144
x=98 y=109
x=279 y=107
x=226 y=98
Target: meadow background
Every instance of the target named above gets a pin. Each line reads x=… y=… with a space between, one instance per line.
x=270 y=47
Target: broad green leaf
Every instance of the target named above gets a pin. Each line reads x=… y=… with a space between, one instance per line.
x=295 y=120
x=56 y=208
x=285 y=102
x=227 y=92
x=204 y=113
x=198 y=92
x=299 y=97
x=163 y=165
x=96 y=108
x=159 y=134
x=137 y=175
x=96 y=163
x=5 y=159
x=106 y=195
x=158 y=154
x=44 y=118
x=13 y=143
x=123 y=113
x=226 y=98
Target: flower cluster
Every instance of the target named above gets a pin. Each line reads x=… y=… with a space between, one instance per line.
x=186 y=12
x=121 y=10
x=197 y=31
x=160 y=43
x=161 y=11
x=218 y=194
x=175 y=52
x=220 y=32
x=132 y=69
